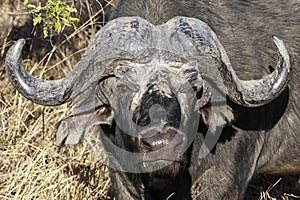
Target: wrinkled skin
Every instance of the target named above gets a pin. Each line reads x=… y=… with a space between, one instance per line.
x=144 y=103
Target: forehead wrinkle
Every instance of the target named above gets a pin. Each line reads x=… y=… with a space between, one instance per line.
x=159 y=70
x=147 y=75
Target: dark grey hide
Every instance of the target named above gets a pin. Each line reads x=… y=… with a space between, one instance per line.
x=215 y=84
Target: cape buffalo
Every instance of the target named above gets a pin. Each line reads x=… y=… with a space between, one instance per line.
x=191 y=99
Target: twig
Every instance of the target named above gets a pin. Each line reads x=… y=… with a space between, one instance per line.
x=14 y=13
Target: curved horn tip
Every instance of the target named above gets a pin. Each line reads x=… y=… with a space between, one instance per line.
x=18 y=46
x=280 y=45
x=21 y=42
x=14 y=51
x=282 y=48
x=277 y=41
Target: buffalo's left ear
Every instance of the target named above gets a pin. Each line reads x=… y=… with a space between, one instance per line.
x=71 y=130
x=217 y=116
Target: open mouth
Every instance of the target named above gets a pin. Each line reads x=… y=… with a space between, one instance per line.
x=164 y=146
x=154 y=140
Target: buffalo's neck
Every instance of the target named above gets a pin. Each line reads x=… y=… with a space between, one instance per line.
x=148 y=186
x=160 y=187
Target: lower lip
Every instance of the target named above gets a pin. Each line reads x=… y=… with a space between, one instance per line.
x=158 y=160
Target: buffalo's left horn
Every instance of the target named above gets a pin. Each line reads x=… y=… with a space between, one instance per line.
x=254 y=93
x=45 y=92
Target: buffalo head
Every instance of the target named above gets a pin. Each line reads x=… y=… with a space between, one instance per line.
x=148 y=88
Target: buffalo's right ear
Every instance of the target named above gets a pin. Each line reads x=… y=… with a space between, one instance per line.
x=72 y=129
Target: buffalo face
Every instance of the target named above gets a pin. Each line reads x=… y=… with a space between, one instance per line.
x=155 y=105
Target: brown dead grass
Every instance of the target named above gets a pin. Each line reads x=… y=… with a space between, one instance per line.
x=31 y=165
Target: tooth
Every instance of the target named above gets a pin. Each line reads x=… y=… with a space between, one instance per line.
x=143 y=163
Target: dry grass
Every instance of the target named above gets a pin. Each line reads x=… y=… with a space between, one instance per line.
x=31 y=165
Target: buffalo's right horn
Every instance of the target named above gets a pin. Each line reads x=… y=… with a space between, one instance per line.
x=121 y=38
x=45 y=92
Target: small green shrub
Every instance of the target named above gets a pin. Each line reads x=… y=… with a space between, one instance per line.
x=54 y=15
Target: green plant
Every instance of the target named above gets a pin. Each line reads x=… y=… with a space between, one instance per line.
x=54 y=15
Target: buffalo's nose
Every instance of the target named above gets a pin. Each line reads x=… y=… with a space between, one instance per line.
x=155 y=140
